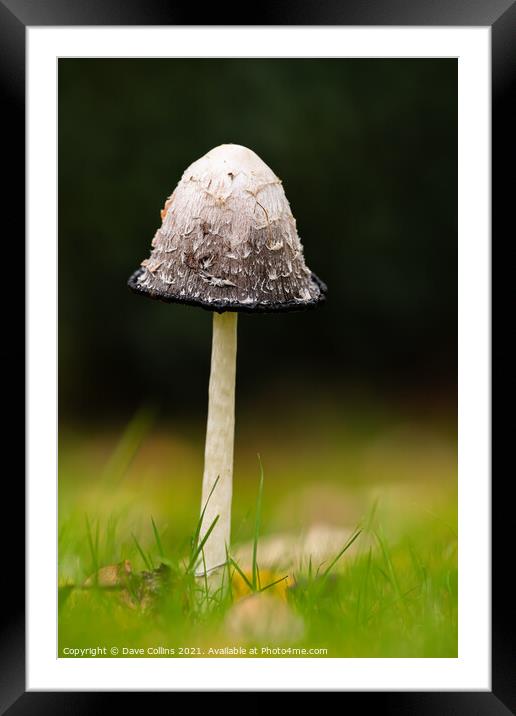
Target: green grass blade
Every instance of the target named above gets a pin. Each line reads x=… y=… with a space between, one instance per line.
x=206 y=585
x=342 y=551
x=197 y=532
x=146 y=561
x=157 y=538
x=94 y=552
x=229 y=592
x=128 y=445
x=97 y=539
x=62 y=596
x=198 y=550
x=384 y=575
x=362 y=590
x=257 y=523
x=242 y=574
x=110 y=542
x=272 y=584
x=390 y=567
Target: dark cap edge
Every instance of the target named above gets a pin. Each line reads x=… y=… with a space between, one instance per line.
x=226 y=306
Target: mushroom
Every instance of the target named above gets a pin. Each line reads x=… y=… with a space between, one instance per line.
x=228 y=243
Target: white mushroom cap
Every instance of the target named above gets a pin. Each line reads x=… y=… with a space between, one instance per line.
x=228 y=241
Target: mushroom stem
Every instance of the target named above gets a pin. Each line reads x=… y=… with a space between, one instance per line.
x=218 y=455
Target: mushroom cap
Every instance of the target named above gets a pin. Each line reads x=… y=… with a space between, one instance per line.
x=228 y=241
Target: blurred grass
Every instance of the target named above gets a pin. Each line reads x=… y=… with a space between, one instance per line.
x=134 y=493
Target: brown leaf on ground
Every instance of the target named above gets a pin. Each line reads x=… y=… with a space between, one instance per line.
x=111 y=576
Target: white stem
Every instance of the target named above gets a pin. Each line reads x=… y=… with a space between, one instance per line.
x=220 y=431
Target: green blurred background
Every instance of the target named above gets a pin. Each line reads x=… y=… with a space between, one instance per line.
x=367 y=151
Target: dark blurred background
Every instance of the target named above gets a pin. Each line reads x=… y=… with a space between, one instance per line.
x=367 y=151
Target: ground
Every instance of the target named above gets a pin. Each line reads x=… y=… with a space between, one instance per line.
x=356 y=551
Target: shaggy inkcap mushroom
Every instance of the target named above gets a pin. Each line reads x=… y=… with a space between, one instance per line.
x=228 y=243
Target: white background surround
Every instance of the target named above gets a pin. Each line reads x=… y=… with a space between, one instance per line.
x=471 y=670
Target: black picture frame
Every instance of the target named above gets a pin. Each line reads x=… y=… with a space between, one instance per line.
x=15 y=17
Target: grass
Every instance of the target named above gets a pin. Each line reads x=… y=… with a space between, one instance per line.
x=388 y=590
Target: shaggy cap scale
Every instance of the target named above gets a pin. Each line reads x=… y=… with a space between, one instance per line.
x=228 y=241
